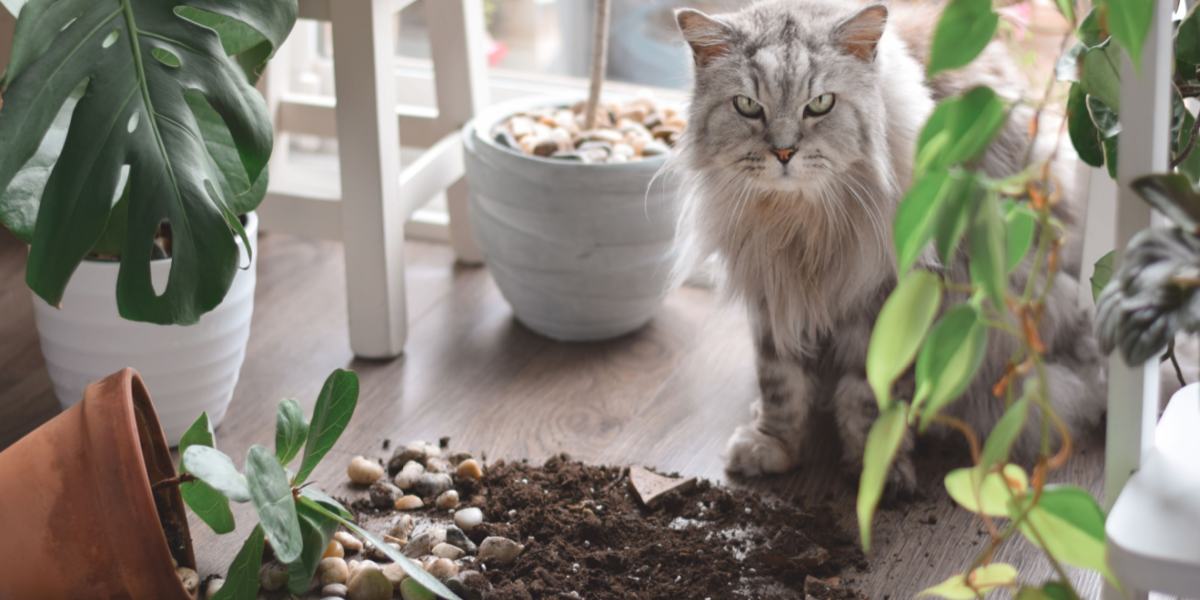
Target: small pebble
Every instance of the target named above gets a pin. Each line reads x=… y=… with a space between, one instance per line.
x=448 y=550
x=447 y=500
x=384 y=494
x=337 y=590
x=213 y=586
x=410 y=589
x=348 y=541
x=408 y=476
x=455 y=536
x=432 y=484
x=332 y=570
x=189 y=579
x=402 y=527
x=409 y=502
x=395 y=573
x=423 y=544
x=363 y=472
x=380 y=555
x=496 y=550
x=334 y=549
x=468 y=518
x=470 y=469
x=273 y=576
x=443 y=568
x=469 y=585
x=369 y=584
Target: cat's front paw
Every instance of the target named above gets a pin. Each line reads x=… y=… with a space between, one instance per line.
x=751 y=453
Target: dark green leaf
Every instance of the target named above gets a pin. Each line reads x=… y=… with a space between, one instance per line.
x=1187 y=46
x=1021 y=224
x=899 y=330
x=948 y=360
x=1191 y=164
x=1069 y=525
x=248 y=47
x=272 y=498
x=957 y=211
x=1173 y=196
x=326 y=500
x=882 y=443
x=916 y=217
x=974 y=585
x=315 y=529
x=241 y=581
x=987 y=244
x=1111 y=156
x=1102 y=272
x=1092 y=30
x=291 y=430
x=332 y=412
x=19 y=203
x=210 y=505
x=244 y=195
x=963 y=31
x=137 y=59
x=410 y=568
x=1129 y=23
x=1000 y=441
x=1082 y=130
x=1101 y=74
x=959 y=129
x=217 y=470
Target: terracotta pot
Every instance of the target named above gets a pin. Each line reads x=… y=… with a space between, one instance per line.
x=77 y=512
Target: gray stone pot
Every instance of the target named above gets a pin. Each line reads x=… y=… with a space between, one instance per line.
x=581 y=251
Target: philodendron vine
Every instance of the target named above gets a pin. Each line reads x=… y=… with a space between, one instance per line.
x=296 y=518
x=1003 y=223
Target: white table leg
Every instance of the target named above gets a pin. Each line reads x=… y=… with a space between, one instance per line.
x=369 y=154
x=457 y=35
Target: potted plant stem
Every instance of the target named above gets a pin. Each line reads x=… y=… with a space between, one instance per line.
x=573 y=232
x=135 y=148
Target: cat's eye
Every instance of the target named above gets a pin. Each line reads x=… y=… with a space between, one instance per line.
x=747 y=107
x=819 y=105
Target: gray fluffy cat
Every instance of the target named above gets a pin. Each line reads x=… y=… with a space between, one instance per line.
x=802 y=130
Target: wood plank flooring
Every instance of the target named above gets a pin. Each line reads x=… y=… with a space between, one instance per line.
x=667 y=397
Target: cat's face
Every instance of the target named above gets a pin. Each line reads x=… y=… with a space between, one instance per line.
x=784 y=93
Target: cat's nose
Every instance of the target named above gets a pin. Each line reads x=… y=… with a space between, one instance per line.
x=784 y=154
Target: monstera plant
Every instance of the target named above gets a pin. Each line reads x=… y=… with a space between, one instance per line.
x=124 y=121
x=133 y=152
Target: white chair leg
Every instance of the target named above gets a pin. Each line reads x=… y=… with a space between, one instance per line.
x=369 y=154
x=456 y=34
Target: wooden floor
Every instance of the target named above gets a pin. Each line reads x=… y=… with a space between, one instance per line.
x=667 y=397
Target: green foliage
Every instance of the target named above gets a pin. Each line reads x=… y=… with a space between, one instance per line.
x=315 y=530
x=160 y=96
x=1020 y=223
x=1068 y=524
x=1102 y=272
x=210 y=505
x=1051 y=591
x=987 y=247
x=291 y=431
x=959 y=129
x=986 y=492
x=216 y=469
x=936 y=208
x=1000 y=441
x=901 y=326
x=1084 y=135
x=948 y=360
x=272 y=499
x=883 y=442
x=964 y=30
x=332 y=413
x=1129 y=22
x=241 y=580
x=974 y=584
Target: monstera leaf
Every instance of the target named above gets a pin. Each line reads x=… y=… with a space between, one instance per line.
x=160 y=117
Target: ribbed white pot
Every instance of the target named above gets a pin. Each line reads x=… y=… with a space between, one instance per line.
x=187 y=369
x=581 y=251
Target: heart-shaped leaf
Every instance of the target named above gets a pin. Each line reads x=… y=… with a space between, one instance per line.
x=883 y=441
x=291 y=431
x=141 y=63
x=217 y=470
x=986 y=492
x=1069 y=525
x=272 y=498
x=335 y=405
x=899 y=331
x=210 y=505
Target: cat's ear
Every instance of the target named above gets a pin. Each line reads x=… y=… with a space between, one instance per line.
x=859 y=35
x=708 y=36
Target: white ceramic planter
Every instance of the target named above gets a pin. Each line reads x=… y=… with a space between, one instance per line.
x=187 y=369
x=581 y=251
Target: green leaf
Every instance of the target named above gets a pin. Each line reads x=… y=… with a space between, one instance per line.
x=949 y=360
x=986 y=492
x=1102 y=272
x=1000 y=441
x=1021 y=223
x=1071 y=525
x=1191 y=164
x=412 y=569
x=19 y=203
x=1067 y=8
x=217 y=470
x=327 y=501
x=974 y=584
x=272 y=498
x=331 y=414
x=1129 y=22
x=959 y=129
x=241 y=581
x=244 y=195
x=315 y=529
x=1101 y=74
x=882 y=443
x=1187 y=46
x=1092 y=30
x=1051 y=591
x=1173 y=196
x=899 y=329
x=963 y=31
x=987 y=247
x=938 y=207
x=291 y=430
x=138 y=60
x=957 y=211
x=210 y=505
x=1084 y=136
